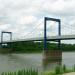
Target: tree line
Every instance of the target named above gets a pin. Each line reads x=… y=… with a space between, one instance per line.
x=37 y=46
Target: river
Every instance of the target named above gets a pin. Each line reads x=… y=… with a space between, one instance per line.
x=13 y=62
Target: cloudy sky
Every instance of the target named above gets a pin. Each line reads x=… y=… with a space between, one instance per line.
x=25 y=17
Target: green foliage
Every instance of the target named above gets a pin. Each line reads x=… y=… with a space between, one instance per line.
x=64 y=68
x=58 y=70
x=74 y=67
x=29 y=47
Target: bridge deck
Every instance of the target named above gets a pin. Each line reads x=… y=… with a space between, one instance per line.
x=62 y=37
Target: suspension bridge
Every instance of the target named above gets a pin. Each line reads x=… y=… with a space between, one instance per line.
x=45 y=38
x=49 y=55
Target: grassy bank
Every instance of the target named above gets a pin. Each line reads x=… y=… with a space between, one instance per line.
x=21 y=72
x=58 y=71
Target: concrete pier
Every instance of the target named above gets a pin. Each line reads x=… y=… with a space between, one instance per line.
x=52 y=58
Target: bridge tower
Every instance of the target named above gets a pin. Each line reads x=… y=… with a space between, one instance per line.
x=52 y=55
x=2 y=33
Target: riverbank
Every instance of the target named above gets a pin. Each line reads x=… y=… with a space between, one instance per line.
x=35 y=47
x=58 y=71
x=8 y=50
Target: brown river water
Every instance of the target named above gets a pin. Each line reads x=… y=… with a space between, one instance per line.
x=14 y=62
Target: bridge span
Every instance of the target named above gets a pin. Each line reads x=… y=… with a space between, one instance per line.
x=49 y=38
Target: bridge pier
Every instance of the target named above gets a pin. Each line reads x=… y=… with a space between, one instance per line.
x=52 y=58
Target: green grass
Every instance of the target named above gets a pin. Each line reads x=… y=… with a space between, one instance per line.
x=22 y=72
x=58 y=71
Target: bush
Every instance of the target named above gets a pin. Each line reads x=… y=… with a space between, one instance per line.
x=58 y=70
x=74 y=67
x=64 y=68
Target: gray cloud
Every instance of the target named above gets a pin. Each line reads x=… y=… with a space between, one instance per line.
x=23 y=16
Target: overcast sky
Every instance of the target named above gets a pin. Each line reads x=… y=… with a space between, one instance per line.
x=22 y=17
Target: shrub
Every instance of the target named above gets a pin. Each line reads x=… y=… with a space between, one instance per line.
x=64 y=68
x=58 y=70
